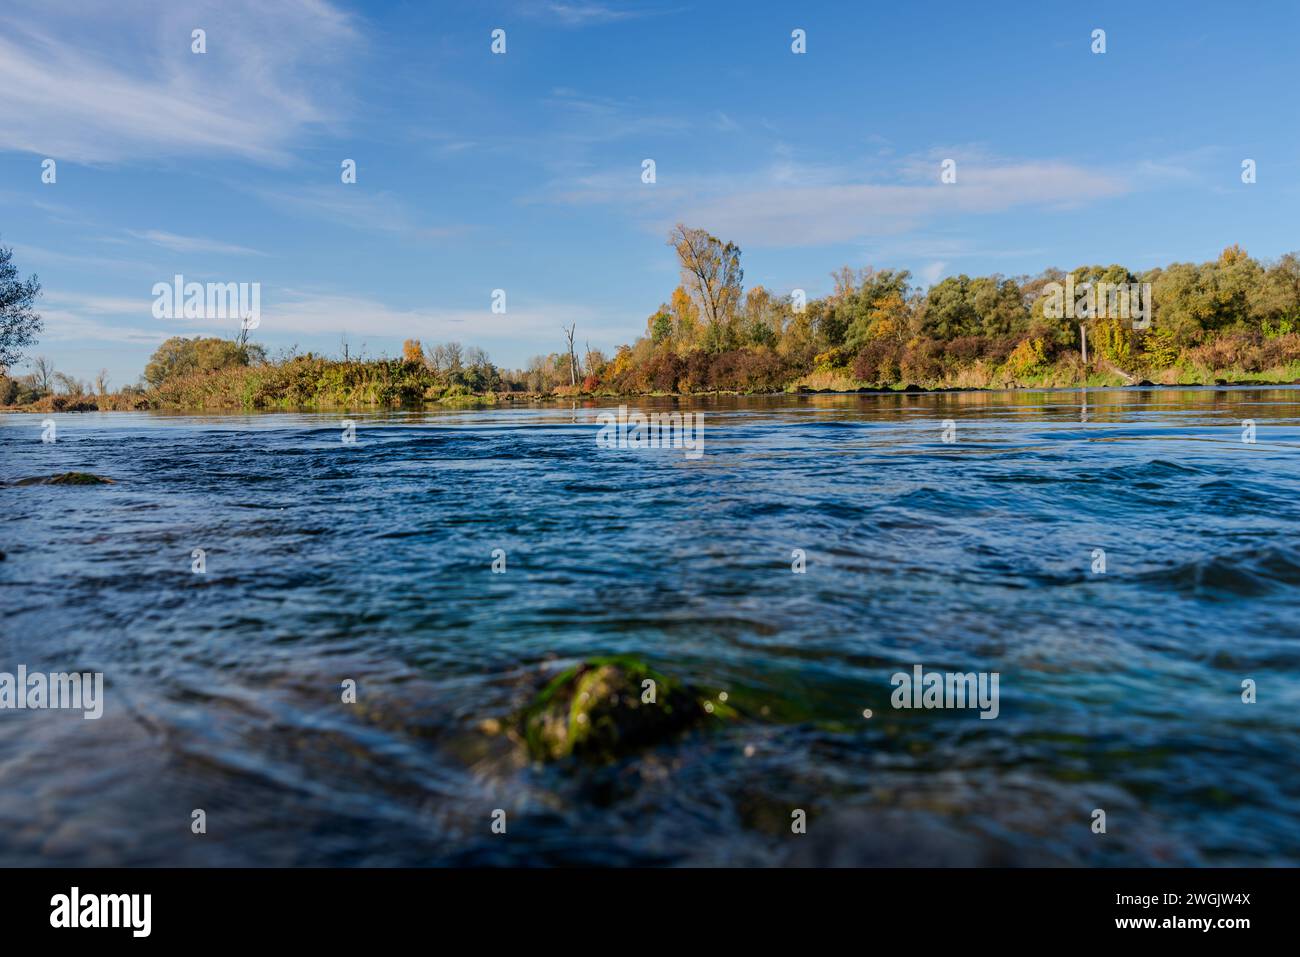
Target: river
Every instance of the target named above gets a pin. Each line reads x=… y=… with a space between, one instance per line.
x=1122 y=559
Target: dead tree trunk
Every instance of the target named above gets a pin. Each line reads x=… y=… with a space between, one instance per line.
x=573 y=358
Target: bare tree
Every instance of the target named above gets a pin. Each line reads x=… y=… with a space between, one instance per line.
x=573 y=358
x=444 y=358
x=43 y=373
x=68 y=384
x=433 y=358
x=101 y=382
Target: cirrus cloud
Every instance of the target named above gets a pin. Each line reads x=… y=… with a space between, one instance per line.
x=121 y=83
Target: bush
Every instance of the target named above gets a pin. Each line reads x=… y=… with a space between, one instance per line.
x=660 y=374
x=878 y=362
x=921 y=361
x=179 y=357
x=1026 y=359
x=1160 y=348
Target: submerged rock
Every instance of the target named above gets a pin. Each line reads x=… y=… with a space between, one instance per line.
x=66 y=478
x=604 y=708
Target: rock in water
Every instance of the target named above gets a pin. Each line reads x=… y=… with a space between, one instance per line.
x=67 y=478
x=602 y=709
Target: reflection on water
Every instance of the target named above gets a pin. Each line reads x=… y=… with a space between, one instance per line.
x=372 y=561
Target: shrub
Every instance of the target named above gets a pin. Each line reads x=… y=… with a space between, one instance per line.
x=878 y=362
x=1026 y=359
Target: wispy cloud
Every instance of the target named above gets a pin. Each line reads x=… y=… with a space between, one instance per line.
x=929 y=273
x=120 y=82
x=356 y=207
x=308 y=312
x=724 y=123
x=595 y=118
x=84 y=317
x=69 y=327
x=578 y=13
x=818 y=215
x=192 y=244
x=37 y=258
x=789 y=204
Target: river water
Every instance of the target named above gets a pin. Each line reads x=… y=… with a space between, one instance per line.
x=328 y=561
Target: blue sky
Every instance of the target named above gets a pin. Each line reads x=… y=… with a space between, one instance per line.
x=522 y=171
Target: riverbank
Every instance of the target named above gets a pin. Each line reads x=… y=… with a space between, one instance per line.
x=170 y=401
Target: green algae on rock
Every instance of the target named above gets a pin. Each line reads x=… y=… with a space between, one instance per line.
x=604 y=708
x=67 y=478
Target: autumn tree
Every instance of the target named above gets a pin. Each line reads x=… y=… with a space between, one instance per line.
x=711 y=273
x=686 y=318
x=879 y=308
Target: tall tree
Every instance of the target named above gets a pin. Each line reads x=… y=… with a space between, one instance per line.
x=573 y=356
x=43 y=373
x=710 y=271
x=19 y=322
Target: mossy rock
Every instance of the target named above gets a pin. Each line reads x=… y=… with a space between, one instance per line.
x=597 y=711
x=67 y=478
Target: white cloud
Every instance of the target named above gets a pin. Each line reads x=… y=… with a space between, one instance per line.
x=581 y=13
x=791 y=204
x=307 y=312
x=61 y=326
x=85 y=317
x=724 y=123
x=317 y=317
x=192 y=244
x=821 y=215
x=930 y=273
x=356 y=207
x=119 y=81
x=82 y=317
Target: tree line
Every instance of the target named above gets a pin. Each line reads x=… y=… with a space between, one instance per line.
x=1234 y=314
x=1232 y=317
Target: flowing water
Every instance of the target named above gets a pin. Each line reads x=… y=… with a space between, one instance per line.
x=325 y=561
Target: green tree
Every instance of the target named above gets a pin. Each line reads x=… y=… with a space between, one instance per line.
x=948 y=311
x=179 y=356
x=19 y=322
x=661 y=325
x=1276 y=299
